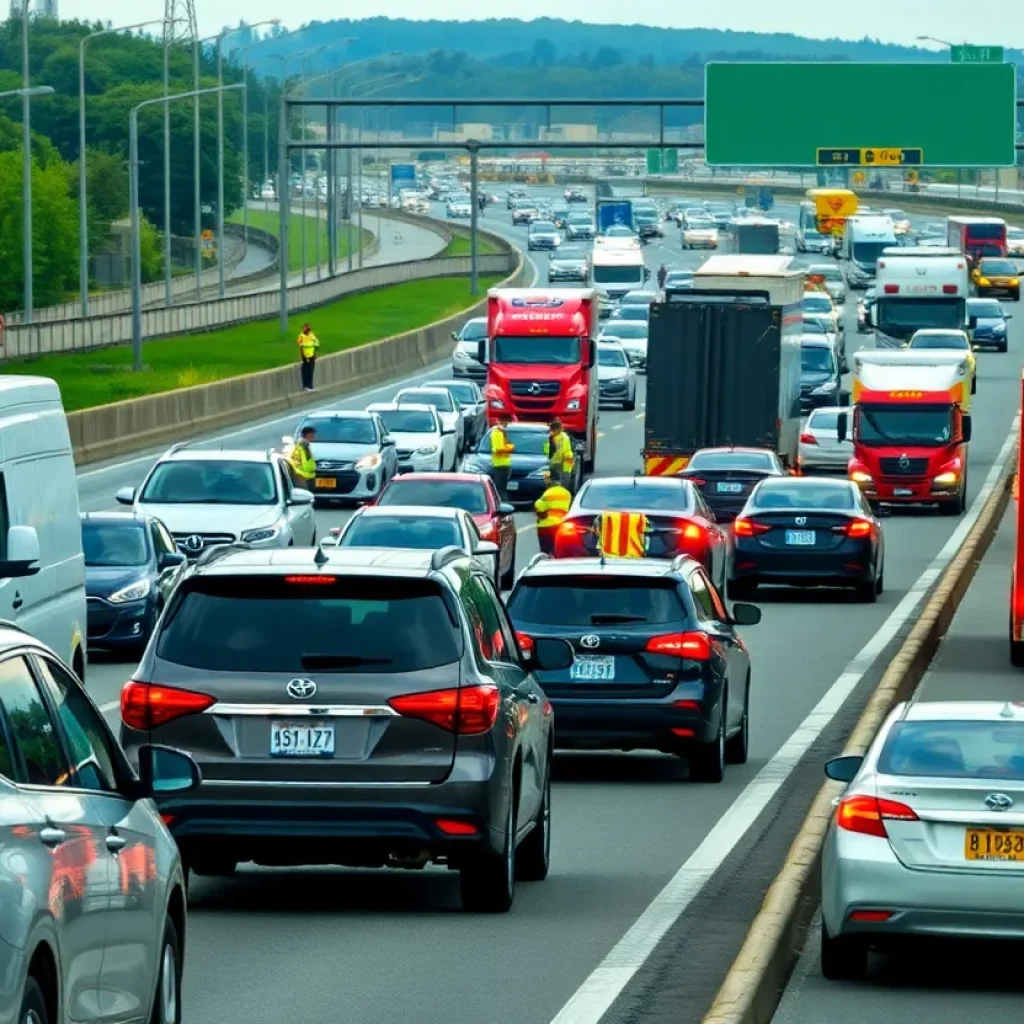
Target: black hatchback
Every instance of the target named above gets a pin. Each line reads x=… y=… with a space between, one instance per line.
x=659 y=665
x=726 y=476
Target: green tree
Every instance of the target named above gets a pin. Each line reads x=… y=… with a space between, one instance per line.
x=151 y=250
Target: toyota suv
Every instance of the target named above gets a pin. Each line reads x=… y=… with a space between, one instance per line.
x=360 y=706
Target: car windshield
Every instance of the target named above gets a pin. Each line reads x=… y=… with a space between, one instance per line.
x=609 y=355
x=700 y=224
x=469 y=495
x=340 y=429
x=594 y=600
x=187 y=482
x=541 y=227
x=733 y=460
x=580 y=218
x=998 y=268
x=638 y=493
x=638 y=298
x=955 y=750
x=628 y=312
x=408 y=421
x=817 y=304
x=990 y=309
x=868 y=253
x=420 y=532
x=474 y=330
x=619 y=231
x=816 y=359
x=950 y=340
x=812 y=325
x=526 y=442
x=271 y=624
x=922 y=425
x=627 y=329
x=440 y=400
x=114 y=544
x=901 y=317
x=813 y=236
x=788 y=493
x=552 y=349
x=565 y=255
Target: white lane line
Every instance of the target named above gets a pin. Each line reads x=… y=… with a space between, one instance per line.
x=595 y=996
x=109 y=706
x=618 y=426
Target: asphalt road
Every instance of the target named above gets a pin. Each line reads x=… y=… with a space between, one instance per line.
x=635 y=844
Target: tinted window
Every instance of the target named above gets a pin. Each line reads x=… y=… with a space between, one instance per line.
x=628 y=329
x=702 y=598
x=1000 y=268
x=211 y=483
x=607 y=356
x=813 y=326
x=340 y=429
x=267 y=624
x=408 y=421
x=485 y=621
x=817 y=304
x=425 y=534
x=787 y=494
x=816 y=358
x=561 y=351
x=465 y=393
x=438 y=399
x=474 y=330
x=8 y=764
x=593 y=600
x=32 y=728
x=891 y=424
x=617 y=274
x=940 y=341
x=542 y=227
x=527 y=442
x=613 y=496
x=112 y=544
x=959 y=750
x=631 y=313
x=463 y=494
x=984 y=307
x=733 y=460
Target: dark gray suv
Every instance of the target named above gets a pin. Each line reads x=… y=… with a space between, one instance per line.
x=363 y=706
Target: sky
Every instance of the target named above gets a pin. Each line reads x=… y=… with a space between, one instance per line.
x=897 y=21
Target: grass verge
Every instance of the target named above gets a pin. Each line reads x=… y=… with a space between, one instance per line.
x=90 y=379
x=459 y=245
x=270 y=222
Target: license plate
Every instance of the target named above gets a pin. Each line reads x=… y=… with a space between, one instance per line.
x=730 y=488
x=590 y=667
x=988 y=844
x=325 y=483
x=801 y=537
x=513 y=485
x=902 y=492
x=292 y=739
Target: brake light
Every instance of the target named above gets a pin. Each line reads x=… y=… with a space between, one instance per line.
x=691 y=531
x=949 y=289
x=681 y=645
x=748 y=528
x=892 y=289
x=871 y=916
x=525 y=642
x=859 y=528
x=489 y=531
x=699 y=481
x=569 y=528
x=868 y=814
x=687 y=705
x=167 y=819
x=454 y=827
x=808 y=439
x=302 y=581
x=464 y=710
x=147 y=706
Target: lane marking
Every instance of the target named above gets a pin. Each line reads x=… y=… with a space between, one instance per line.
x=602 y=987
x=618 y=426
x=109 y=706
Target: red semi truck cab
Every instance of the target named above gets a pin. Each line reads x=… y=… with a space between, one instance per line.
x=542 y=359
x=977 y=236
x=910 y=428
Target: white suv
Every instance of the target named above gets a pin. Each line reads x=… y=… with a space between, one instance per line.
x=421 y=442
x=207 y=497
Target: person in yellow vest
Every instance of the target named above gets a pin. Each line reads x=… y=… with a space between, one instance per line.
x=501 y=455
x=308 y=344
x=558 y=449
x=300 y=458
x=551 y=508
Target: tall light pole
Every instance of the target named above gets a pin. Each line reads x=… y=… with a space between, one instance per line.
x=933 y=39
x=83 y=214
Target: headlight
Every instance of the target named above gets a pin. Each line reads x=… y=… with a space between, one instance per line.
x=368 y=462
x=430 y=449
x=260 y=535
x=946 y=478
x=573 y=405
x=133 y=592
x=538 y=474
x=617 y=380
x=461 y=356
x=825 y=389
x=858 y=476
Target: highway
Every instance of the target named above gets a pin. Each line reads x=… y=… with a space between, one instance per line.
x=654 y=880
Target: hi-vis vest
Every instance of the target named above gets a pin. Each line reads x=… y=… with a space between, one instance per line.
x=302 y=460
x=308 y=344
x=623 y=534
x=552 y=506
x=501 y=450
x=562 y=455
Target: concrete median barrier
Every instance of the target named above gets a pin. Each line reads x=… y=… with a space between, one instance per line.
x=757 y=978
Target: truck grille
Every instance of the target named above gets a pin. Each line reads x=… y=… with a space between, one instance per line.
x=909 y=467
x=534 y=388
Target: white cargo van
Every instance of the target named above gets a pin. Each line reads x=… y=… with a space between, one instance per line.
x=864 y=240
x=42 y=569
x=617 y=267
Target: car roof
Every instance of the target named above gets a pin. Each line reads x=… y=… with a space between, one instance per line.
x=607 y=567
x=127 y=516
x=664 y=482
x=965 y=710
x=189 y=454
x=339 y=414
x=462 y=478
x=425 y=511
x=409 y=562
x=395 y=407
x=724 y=449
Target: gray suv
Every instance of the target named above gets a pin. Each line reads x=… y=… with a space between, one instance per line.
x=360 y=706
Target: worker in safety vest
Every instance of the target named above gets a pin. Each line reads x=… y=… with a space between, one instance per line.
x=551 y=508
x=301 y=460
x=501 y=455
x=558 y=449
x=308 y=344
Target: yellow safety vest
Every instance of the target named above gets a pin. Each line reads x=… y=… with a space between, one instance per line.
x=562 y=454
x=302 y=461
x=308 y=344
x=623 y=534
x=552 y=506
x=501 y=450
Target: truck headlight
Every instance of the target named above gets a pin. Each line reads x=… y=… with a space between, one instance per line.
x=946 y=478
x=496 y=403
x=573 y=405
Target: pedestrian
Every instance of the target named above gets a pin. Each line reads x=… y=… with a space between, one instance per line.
x=662 y=277
x=501 y=455
x=308 y=344
x=558 y=449
x=551 y=508
x=301 y=460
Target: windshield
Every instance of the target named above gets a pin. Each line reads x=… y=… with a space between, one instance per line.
x=619 y=496
x=440 y=400
x=608 y=356
x=817 y=304
x=816 y=359
x=590 y=600
x=632 y=313
x=114 y=544
x=761 y=461
x=955 y=750
x=465 y=393
x=825 y=419
x=700 y=224
x=408 y=421
x=211 y=483
x=268 y=624
x=988 y=308
x=340 y=429
x=998 y=268
x=469 y=495
x=629 y=329
x=926 y=426
x=951 y=340
x=619 y=274
x=566 y=254
x=901 y=317
x=422 y=533
x=474 y=330
x=560 y=351
x=542 y=227
x=580 y=218
x=526 y=442
x=618 y=231
x=991 y=231
x=867 y=253
x=788 y=493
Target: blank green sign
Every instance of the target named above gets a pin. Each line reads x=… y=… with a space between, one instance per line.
x=780 y=115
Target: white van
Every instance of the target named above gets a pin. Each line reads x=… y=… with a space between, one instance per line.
x=42 y=569
x=617 y=267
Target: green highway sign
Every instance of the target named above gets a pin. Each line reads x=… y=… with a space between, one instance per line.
x=828 y=157
x=663 y=161
x=771 y=114
x=654 y=161
x=671 y=161
x=976 y=54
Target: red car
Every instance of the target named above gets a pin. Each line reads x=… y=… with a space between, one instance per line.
x=473 y=492
x=679 y=520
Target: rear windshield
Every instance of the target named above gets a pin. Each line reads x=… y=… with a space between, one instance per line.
x=817 y=304
x=984 y=307
x=733 y=460
x=959 y=750
x=470 y=497
x=409 y=421
x=525 y=442
x=424 y=534
x=609 y=356
x=591 y=601
x=340 y=429
x=465 y=392
x=267 y=624
x=637 y=494
x=825 y=419
x=939 y=341
x=789 y=494
x=441 y=400
x=628 y=329
x=638 y=312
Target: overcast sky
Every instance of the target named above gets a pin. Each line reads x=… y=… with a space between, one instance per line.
x=898 y=21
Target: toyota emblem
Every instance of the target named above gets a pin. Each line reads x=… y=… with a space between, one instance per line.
x=301 y=689
x=590 y=641
x=904 y=461
x=998 y=802
x=194 y=542
x=534 y=388
x=800 y=520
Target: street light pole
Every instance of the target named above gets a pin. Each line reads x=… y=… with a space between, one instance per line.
x=26 y=165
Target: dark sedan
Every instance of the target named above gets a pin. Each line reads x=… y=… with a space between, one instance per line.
x=989 y=326
x=648 y=225
x=568 y=264
x=808 y=532
x=820 y=379
x=658 y=664
x=726 y=476
x=132 y=564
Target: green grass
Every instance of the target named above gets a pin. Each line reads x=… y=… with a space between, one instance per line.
x=270 y=222
x=90 y=379
x=459 y=245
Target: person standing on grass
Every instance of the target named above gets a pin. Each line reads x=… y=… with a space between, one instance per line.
x=308 y=344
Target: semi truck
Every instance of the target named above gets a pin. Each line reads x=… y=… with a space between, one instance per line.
x=614 y=213
x=977 y=236
x=911 y=427
x=723 y=362
x=541 y=358
x=757 y=237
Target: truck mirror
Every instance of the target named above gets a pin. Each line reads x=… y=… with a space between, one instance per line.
x=841 y=426
x=481 y=350
x=972 y=323
x=965 y=429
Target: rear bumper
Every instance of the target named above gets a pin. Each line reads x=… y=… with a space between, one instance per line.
x=849 y=564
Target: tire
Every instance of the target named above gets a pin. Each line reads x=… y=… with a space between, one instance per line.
x=167 y=998
x=33 y=1005
x=629 y=406
x=866 y=592
x=533 y=858
x=707 y=760
x=974 y=384
x=508 y=577
x=488 y=882
x=843 y=959
x=737 y=747
x=880 y=582
x=740 y=590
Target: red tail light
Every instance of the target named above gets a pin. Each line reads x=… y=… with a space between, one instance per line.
x=748 y=528
x=489 y=531
x=570 y=529
x=949 y=289
x=892 y=289
x=699 y=481
x=525 y=642
x=147 y=706
x=454 y=827
x=167 y=819
x=693 y=532
x=868 y=814
x=301 y=581
x=871 y=916
x=465 y=710
x=808 y=439
x=681 y=645
x=858 y=528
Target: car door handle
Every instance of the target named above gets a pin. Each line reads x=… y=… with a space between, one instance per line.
x=116 y=843
x=51 y=836
x=17 y=602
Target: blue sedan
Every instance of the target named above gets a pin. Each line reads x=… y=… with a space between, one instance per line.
x=989 y=325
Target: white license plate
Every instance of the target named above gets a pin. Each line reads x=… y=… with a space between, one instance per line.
x=730 y=488
x=513 y=485
x=294 y=739
x=590 y=667
x=800 y=537
x=902 y=492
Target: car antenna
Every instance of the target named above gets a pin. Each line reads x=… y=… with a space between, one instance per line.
x=320 y=558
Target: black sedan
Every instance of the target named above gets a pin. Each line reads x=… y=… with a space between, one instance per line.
x=820 y=377
x=808 y=532
x=989 y=325
x=726 y=476
x=658 y=664
x=132 y=564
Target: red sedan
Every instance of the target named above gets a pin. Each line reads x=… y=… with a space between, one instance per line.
x=475 y=493
x=679 y=520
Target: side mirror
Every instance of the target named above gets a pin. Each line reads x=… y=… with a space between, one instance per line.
x=842 y=426
x=300 y=496
x=1007 y=316
x=22 y=553
x=965 y=428
x=455 y=335
x=164 y=771
x=125 y=496
x=746 y=614
x=647 y=273
x=552 y=654
x=868 y=321
x=287 y=441
x=481 y=351
x=844 y=769
x=170 y=559
x=505 y=509
x=972 y=323
x=388 y=442
x=486 y=547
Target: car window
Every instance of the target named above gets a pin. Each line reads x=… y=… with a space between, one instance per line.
x=110 y=544
x=609 y=356
x=955 y=749
x=497 y=611
x=474 y=330
x=527 y=442
x=825 y=419
x=488 y=636
x=786 y=493
x=163 y=542
x=465 y=494
x=441 y=400
x=214 y=482
x=638 y=493
x=721 y=615
x=31 y=726
x=947 y=341
x=418 y=532
x=581 y=600
x=733 y=460
x=702 y=599
x=286 y=480
x=409 y=421
x=340 y=429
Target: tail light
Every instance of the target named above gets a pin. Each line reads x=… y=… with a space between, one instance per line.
x=526 y=644
x=808 y=439
x=147 y=706
x=950 y=289
x=570 y=530
x=892 y=289
x=856 y=528
x=748 y=528
x=695 y=646
x=489 y=531
x=699 y=481
x=464 y=710
x=455 y=827
x=868 y=815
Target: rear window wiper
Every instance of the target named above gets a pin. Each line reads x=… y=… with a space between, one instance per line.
x=610 y=617
x=325 y=662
